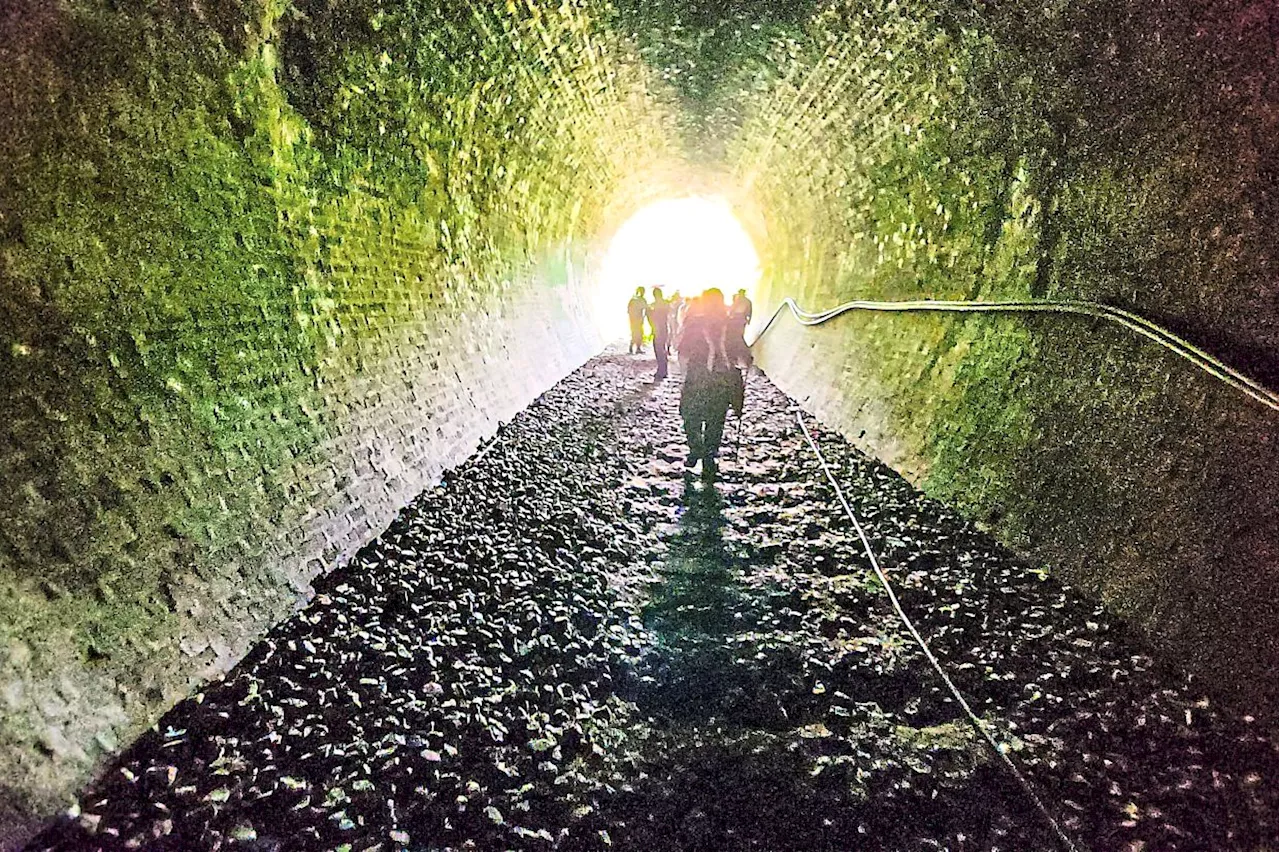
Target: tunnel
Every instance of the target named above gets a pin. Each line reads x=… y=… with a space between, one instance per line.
x=335 y=515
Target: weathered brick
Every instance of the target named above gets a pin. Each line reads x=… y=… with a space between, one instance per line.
x=234 y=344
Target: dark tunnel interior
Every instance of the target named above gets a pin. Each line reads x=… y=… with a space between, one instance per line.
x=323 y=472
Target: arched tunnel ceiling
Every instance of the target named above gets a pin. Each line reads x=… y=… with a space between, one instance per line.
x=269 y=268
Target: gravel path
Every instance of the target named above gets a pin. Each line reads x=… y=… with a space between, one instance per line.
x=567 y=645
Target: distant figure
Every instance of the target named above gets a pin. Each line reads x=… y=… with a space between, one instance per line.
x=740 y=310
x=659 y=320
x=636 y=310
x=712 y=381
x=739 y=317
x=676 y=303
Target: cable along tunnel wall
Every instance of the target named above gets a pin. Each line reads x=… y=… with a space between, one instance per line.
x=1115 y=155
x=263 y=277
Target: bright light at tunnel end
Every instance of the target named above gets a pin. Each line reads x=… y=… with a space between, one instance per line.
x=682 y=245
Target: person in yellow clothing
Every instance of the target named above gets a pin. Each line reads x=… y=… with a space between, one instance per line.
x=637 y=308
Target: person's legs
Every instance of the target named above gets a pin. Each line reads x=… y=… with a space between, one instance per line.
x=714 y=431
x=637 y=338
x=660 y=355
x=693 y=430
x=712 y=434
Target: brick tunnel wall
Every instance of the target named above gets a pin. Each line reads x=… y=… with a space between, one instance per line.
x=1123 y=155
x=262 y=280
x=267 y=269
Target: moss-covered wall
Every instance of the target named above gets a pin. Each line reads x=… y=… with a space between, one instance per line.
x=265 y=271
x=1124 y=154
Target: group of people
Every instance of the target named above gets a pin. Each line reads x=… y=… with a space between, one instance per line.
x=710 y=342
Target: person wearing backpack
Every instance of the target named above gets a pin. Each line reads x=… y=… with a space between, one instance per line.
x=712 y=383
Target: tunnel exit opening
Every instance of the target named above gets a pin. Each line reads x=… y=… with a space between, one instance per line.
x=682 y=245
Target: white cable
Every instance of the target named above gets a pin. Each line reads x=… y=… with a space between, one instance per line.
x=976 y=722
x=1134 y=322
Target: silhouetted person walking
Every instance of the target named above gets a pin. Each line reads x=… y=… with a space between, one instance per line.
x=659 y=321
x=676 y=309
x=740 y=310
x=636 y=310
x=712 y=381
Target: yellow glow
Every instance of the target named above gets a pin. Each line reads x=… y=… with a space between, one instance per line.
x=683 y=245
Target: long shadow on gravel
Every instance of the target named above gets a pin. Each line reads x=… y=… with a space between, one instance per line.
x=694 y=672
x=699 y=594
x=735 y=754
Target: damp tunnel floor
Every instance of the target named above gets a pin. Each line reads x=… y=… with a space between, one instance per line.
x=569 y=645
